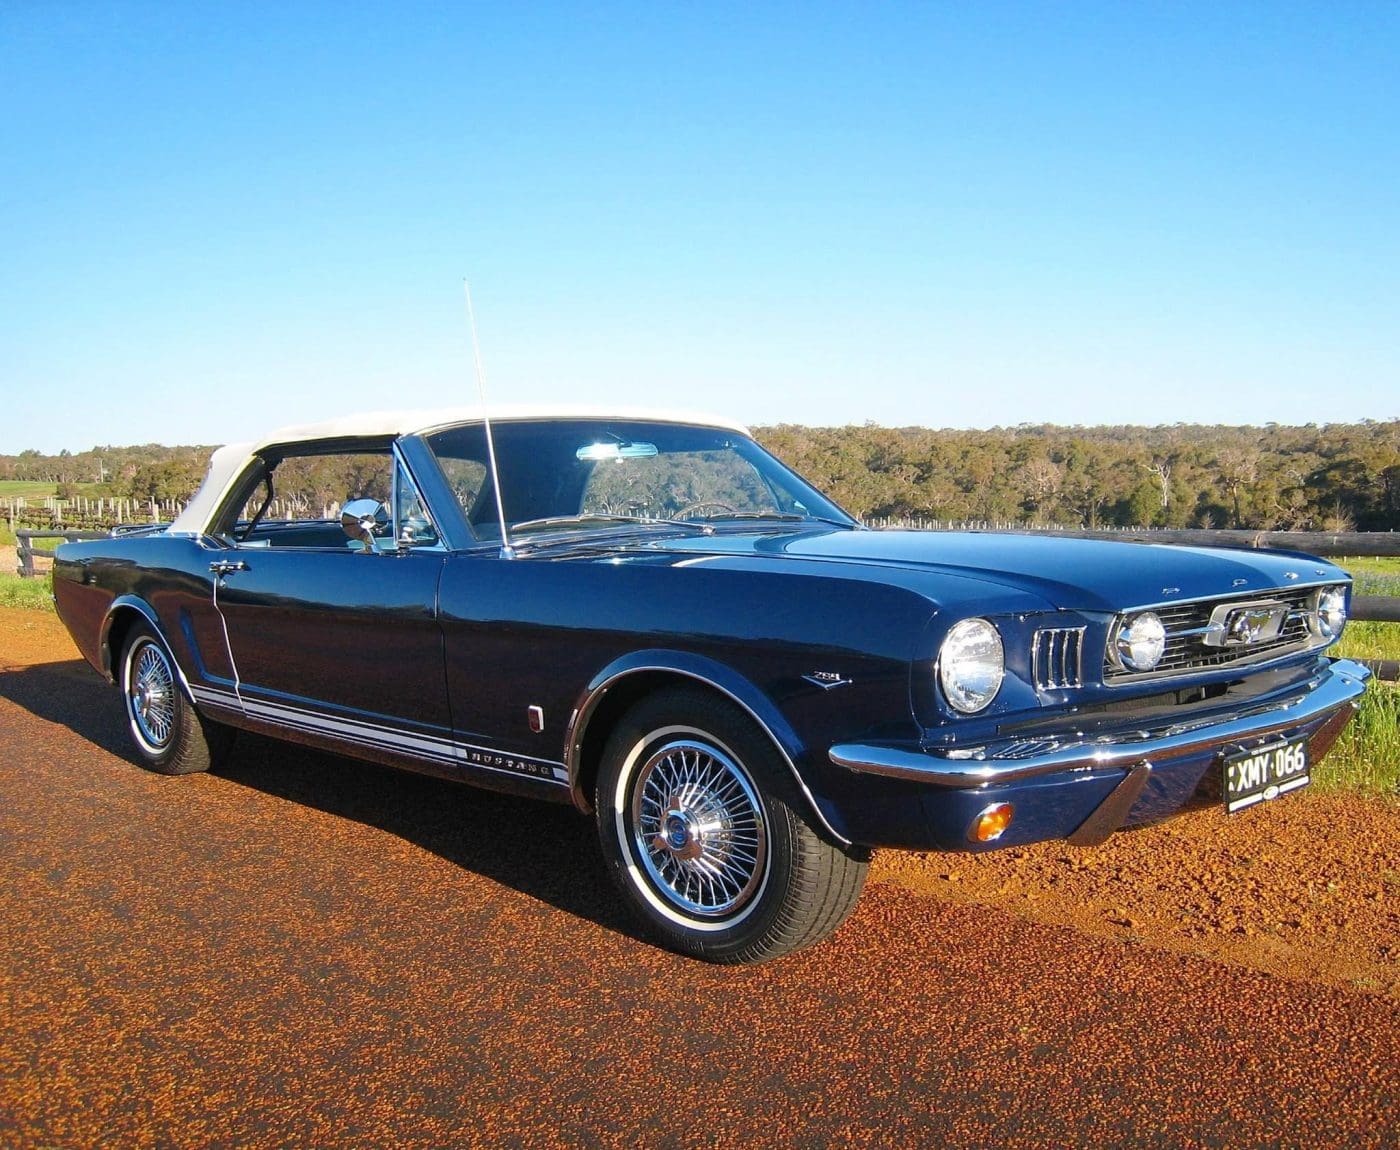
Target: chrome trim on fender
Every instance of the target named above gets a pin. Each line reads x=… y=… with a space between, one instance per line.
x=578 y=723
x=1341 y=685
x=104 y=646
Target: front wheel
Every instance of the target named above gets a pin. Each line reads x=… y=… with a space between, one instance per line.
x=700 y=827
x=169 y=735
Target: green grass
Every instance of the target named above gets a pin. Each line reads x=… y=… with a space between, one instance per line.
x=25 y=489
x=1366 y=759
x=37 y=491
x=1373 y=576
x=1373 y=565
x=1370 y=641
x=33 y=593
x=47 y=546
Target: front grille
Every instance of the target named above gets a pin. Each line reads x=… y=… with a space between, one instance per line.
x=1187 y=625
x=1057 y=658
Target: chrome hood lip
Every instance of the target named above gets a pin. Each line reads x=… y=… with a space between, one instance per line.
x=1062 y=573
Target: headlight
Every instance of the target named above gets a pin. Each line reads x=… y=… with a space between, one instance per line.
x=1331 y=612
x=971 y=665
x=1140 y=642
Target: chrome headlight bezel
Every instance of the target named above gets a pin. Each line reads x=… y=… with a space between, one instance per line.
x=1329 y=612
x=971 y=666
x=1139 y=642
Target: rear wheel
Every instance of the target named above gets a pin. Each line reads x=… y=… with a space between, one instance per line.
x=699 y=822
x=168 y=733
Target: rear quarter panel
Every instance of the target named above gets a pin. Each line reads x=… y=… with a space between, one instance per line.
x=167 y=575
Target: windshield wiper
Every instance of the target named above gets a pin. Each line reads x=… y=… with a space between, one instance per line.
x=626 y=520
x=774 y=516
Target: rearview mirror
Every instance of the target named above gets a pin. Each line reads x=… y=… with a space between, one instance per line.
x=595 y=452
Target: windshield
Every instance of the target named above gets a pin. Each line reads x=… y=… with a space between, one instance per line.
x=582 y=475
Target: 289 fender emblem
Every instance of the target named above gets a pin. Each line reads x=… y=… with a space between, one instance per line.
x=826 y=680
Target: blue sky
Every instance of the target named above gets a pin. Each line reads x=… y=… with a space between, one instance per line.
x=218 y=218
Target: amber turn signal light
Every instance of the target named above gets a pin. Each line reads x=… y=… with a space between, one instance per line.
x=991 y=823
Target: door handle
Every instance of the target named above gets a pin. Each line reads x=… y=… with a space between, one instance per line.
x=222 y=567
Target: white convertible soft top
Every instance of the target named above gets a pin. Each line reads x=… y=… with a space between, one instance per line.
x=228 y=462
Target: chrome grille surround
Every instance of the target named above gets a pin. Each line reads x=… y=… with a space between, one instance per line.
x=1189 y=626
x=1057 y=658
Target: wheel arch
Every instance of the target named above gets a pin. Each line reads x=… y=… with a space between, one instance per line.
x=625 y=681
x=126 y=612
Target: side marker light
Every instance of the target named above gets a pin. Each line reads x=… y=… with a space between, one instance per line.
x=990 y=824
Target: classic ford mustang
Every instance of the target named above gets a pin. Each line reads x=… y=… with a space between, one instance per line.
x=650 y=617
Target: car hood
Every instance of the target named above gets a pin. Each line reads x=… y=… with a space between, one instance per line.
x=1065 y=573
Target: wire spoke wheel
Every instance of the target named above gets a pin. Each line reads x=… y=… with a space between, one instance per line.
x=169 y=735
x=150 y=696
x=696 y=822
x=697 y=828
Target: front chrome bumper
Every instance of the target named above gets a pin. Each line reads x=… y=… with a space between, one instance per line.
x=1338 y=687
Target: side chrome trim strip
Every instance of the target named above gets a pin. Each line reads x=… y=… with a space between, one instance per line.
x=433 y=748
x=351 y=730
x=217 y=697
x=1340 y=686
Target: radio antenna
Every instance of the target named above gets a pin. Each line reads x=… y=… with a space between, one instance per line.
x=507 y=551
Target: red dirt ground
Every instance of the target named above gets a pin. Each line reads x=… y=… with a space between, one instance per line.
x=1307 y=888
x=302 y=950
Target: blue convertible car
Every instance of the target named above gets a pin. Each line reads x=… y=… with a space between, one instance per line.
x=650 y=617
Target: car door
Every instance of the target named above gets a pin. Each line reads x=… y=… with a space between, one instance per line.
x=338 y=639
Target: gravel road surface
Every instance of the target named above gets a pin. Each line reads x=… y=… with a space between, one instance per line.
x=301 y=950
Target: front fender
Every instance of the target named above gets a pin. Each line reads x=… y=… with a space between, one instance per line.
x=684 y=665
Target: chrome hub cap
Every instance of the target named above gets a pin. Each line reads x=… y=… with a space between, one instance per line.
x=151 y=696
x=698 y=829
x=682 y=835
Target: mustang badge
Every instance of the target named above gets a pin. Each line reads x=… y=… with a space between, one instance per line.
x=1243 y=626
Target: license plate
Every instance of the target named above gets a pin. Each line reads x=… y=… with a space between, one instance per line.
x=1257 y=776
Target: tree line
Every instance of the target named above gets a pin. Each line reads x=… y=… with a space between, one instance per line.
x=146 y=472
x=1328 y=478
x=1331 y=478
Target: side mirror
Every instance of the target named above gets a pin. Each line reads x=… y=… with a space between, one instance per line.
x=361 y=518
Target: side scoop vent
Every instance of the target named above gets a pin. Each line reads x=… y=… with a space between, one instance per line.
x=1057 y=658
